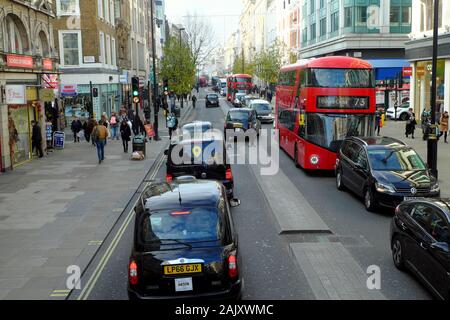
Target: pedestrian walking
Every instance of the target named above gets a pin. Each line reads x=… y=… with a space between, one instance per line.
x=172 y=103
x=76 y=127
x=114 y=123
x=172 y=124
x=443 y=127
x=89 y=128
x=36 y=139
x=137 y=125
x=379 y=120
x=410 y=123
x=13 y=139
x=269 y=96
x=125 y=132
x=99 y=136
x=194 y=100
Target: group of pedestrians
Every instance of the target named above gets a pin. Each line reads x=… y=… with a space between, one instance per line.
x=411 y=124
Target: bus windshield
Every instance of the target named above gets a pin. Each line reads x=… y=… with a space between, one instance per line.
x=330 y=130
x=340 y=78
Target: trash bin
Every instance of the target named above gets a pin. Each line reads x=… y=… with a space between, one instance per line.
x=139 y=144
x=177 y=112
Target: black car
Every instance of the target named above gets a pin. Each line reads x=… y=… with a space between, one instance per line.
x=185 y=245
x=384 y=171
x=242 y=120
x=420 y=240
x=212 y=100
x=204 y=157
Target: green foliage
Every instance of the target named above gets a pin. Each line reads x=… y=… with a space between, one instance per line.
x=268 y=63
x=178 y=66
x=248 y=67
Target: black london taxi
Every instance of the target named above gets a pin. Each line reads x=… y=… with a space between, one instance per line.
x=384 y=171
x=212 y=100
x=420 y=242
x=203 y=156
x=240 y=120
x=185 y=243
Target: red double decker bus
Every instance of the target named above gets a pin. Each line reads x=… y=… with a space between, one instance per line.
x=319 y=103
x=238 y=83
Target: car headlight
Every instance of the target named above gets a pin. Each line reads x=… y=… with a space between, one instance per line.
x=384 y=188
x=435 y=188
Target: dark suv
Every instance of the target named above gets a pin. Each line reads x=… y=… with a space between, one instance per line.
x=384 y=171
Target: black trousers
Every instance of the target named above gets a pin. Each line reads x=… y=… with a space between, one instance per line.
x=38 y=146
x=125 y=145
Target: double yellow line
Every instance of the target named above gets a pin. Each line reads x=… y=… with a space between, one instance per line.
x=84 y=295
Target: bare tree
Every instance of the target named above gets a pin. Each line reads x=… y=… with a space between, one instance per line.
x=201 y=38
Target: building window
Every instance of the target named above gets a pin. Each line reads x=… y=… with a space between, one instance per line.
x=348 y=17
x=67 y=7
x=16 y=35
x=427 y=14
x=43 y=49
x=313 y=31
x=102 y=48
x=361 y=16
x=108 y=50
x=106 y=6
x=322 y=4
x=312 y=6
x=70 y=42
x=113 y=49
x=334 y=21
x=111 y=12
x=305 y=35
x=100 y=8
x=323 y=27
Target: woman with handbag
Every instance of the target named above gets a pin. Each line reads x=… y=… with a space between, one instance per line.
x=13 y=138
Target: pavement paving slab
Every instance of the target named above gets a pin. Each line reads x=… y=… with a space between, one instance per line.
x=56 y=211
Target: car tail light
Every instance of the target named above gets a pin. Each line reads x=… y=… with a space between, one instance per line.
x=229 y=174
x=232 y=266
x=169 y=178
x=397 y=210
x=133 y=273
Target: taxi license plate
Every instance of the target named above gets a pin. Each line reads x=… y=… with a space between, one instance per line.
x=238 y=125
x=182 y=269
x=409 y=198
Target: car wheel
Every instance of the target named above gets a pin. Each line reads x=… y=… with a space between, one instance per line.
x=339 y=184
x=403 y=116
x=398 y=253
x=369 y=201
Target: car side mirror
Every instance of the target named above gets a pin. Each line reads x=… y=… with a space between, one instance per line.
x=235 y=203
x=441 y=247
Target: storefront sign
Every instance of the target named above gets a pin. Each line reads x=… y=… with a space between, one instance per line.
x=69 y=90
x=50 y=81
x=47 y=95
x=47 y=64
x=420 y=71
x=89 y=59
x=48 y=131
x=32 y=94
x=15 y=94
x=407 y=71
x=16 y=61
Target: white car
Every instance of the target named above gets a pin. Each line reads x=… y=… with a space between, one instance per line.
x=402 y=112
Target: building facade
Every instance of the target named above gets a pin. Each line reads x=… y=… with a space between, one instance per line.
x=419 y=53
x=374 y=30
x=28 y=76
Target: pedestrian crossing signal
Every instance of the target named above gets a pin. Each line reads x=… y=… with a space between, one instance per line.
x=136 y=100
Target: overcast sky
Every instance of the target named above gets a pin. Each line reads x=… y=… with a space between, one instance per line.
x=223 y=15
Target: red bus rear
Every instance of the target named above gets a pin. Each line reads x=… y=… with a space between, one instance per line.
x=238 y=83
x=319 y=103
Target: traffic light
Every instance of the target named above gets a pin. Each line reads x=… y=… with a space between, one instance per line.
x=135 y=89
x=95 y=92
x=166 y=86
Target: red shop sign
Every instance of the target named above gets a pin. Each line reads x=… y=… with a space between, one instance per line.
x=407 y=71
x=47 y=64
x=16 y=61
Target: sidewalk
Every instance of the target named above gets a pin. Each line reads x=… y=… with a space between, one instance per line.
x=56 y=211
x=397 y=130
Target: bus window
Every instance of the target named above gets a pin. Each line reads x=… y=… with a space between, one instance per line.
x=340 y=78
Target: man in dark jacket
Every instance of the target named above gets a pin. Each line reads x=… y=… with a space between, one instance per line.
x=36 y=139
x=89 y=128
x=76 y=128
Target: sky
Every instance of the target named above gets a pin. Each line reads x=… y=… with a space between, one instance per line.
x=222 y=15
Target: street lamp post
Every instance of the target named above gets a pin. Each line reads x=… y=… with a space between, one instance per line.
x=155 y=83
x=432 y=139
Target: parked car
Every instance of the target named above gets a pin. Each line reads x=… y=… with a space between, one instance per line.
x=420 y=241
x=263 y=110
x=402 y=112
x=212 y=100
x=384 y=171
x=185 y=245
